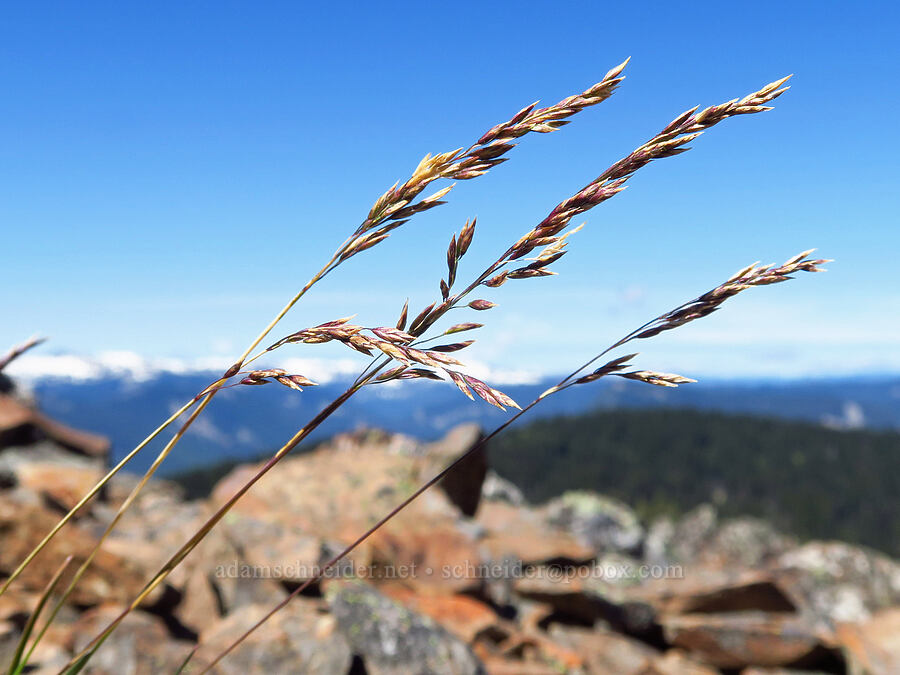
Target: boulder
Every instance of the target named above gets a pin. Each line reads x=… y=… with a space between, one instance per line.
x=873 y=647
x=740 y=639
x=328 y=497
x=495 y=488
x=833 y=582
x=682 y=541
x=463 y=483
x=110 y=578
x=700 y=537
x=601 y=523
x=9 y=641
x=523 y=534
x=462 y=615
x=714 y=589
x=585 y=599
x=677 y=662
x=392 y=640
x=60 y=485
x=537 y=647
x=761 y=670
x=605 y=652
x=300 y=638
x=141 y=643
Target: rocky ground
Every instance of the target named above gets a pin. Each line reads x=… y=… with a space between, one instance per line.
x=469 y=579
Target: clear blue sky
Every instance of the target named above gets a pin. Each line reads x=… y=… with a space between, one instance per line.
x=170 y=174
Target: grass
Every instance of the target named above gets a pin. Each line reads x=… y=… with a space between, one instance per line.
x=401 y=351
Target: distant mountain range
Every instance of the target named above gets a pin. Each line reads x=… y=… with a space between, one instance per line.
x=244 y=422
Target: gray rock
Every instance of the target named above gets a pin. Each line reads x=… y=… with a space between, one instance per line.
x=141 y=643
x=837 y=582
x=497 y=489
x=658 y=542
x=9 y=640
x=601 y=523
x=683 y=540
x=300 y=638
x=392 y=640
x=693 y=532
x=700 y=537
x=749 y=542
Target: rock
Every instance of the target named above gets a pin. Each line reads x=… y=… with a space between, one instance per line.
x=199 y=603
x=391 y=640
x=464 y=616
x=834 y=582
x=9 y=641
x=499 y=665
x=49 y=659
x=273 y=549
x=605 y=652
x=463 y=483
x=537 y=647
x=61 y=486
x=155 y=493
x=522 y=534
x=231 y=578
x=141 y=644
x=158 y=515
x=658 y=542
x=713 y=589
x=601 y=523
x=676 y=662
x=497 y=489
x=17 y=606
x=21 y=424
x=516 y=589
x=874 y=646
x=583 y=599
x=301 y=637
x=701 y=538
x=753 y=670
x=65 y=473
x=435 y=555
x=110 y=578
x=156 y=525
x=739 y=639
x=364 y=482
x=690 y=534
x=746 y=542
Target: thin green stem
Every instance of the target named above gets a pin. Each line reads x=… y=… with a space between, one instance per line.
x=182 y=552
x=406 y=502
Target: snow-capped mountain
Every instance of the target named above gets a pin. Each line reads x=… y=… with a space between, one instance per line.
x=125 y=396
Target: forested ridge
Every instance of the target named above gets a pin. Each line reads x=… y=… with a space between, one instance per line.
x=809 y=480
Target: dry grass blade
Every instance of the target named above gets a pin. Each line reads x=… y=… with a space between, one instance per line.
x=659 y=379
x=400 y=203
x=386 y=207
x=121 y=512
x=671 y=141
x=612 y=367
x=20 y=349
x=88 y=496
x=548 y=234
x=748 y=277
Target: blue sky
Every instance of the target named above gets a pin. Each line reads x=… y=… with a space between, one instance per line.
x=171 y=174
